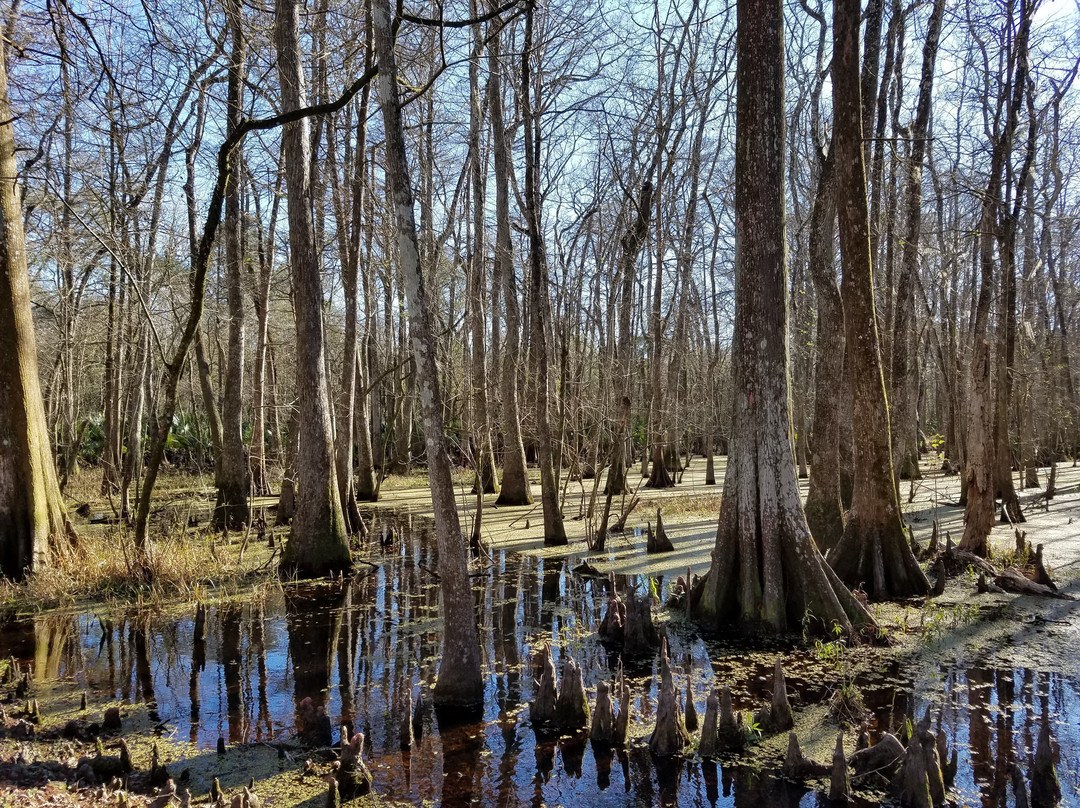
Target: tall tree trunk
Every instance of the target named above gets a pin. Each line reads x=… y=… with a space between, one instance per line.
x=904 y=416
x=980 y=470
x=630 y=246
x=554 y=533
x=1006 y=348
x=233 y=477
x=824 y=512
x=459 y=683
x=318 y=542
x=260 y=482
x=515 y=480
x=480 y=423
x=766 y=570
x=32 y=515
x=873 y=550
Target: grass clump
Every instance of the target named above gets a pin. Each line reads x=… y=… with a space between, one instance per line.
x=106 y=566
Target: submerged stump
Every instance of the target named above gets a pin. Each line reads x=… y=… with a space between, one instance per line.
x=670 y=735
x=354 y=779
x=839 y=785
x=691 y=710
x=542 y=707
x=571 y=706
x=602 y=729
x=640 y=637
x=799 y=767
x=709 y=744
x=777 y=716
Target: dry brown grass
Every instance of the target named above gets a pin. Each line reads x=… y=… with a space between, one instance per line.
x=178 y=564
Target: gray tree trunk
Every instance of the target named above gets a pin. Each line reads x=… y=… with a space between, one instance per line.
x=873 y=550
x=318 y=542
x=233 y=477
x=459 y=684
x=515 y=480
x=766 y=570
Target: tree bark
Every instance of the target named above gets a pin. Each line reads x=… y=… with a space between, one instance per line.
x=554 y=533
x=318 y=542
x=980 y=466
x=480 y=423
x=766 y=570
x=904 y=416
x=32 y=515
x=824 y=511
x=459 y=684
x=233 y=477
x=873 y=551
x=515 y=480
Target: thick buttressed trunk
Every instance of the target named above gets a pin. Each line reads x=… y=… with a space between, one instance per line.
x=32 y=516
x=766 y=570
x=554 y=532
x=874 y=550
x=459 y=685
x=824 y=511
x=904 y=415
x=515 y=480
x=233 y=477
x=318 y=542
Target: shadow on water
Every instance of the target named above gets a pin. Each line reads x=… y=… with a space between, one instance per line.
x=308 y=659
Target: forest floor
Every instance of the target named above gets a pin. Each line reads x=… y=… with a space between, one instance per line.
x=197 y=566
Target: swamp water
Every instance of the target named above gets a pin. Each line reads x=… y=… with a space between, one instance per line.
x=352 y=646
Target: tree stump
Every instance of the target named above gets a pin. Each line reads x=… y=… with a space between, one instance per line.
x=927 y=740
x=916 y=789
x=602 y=730
x=839 y=785
x=542 y=707
x=571 y=707
x=613 y=626
x=640 y=637
x=622 y=722
x=669 y=736
x=354 y=779
x=1042 y=576
x=691 y=710
x=777 y=717
x=658 y=542
x=731 y=729
x=933 y=547
x=709 y=744
x=939 y=579
x=315 y=728
x=799 y=767
x=885 y=756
